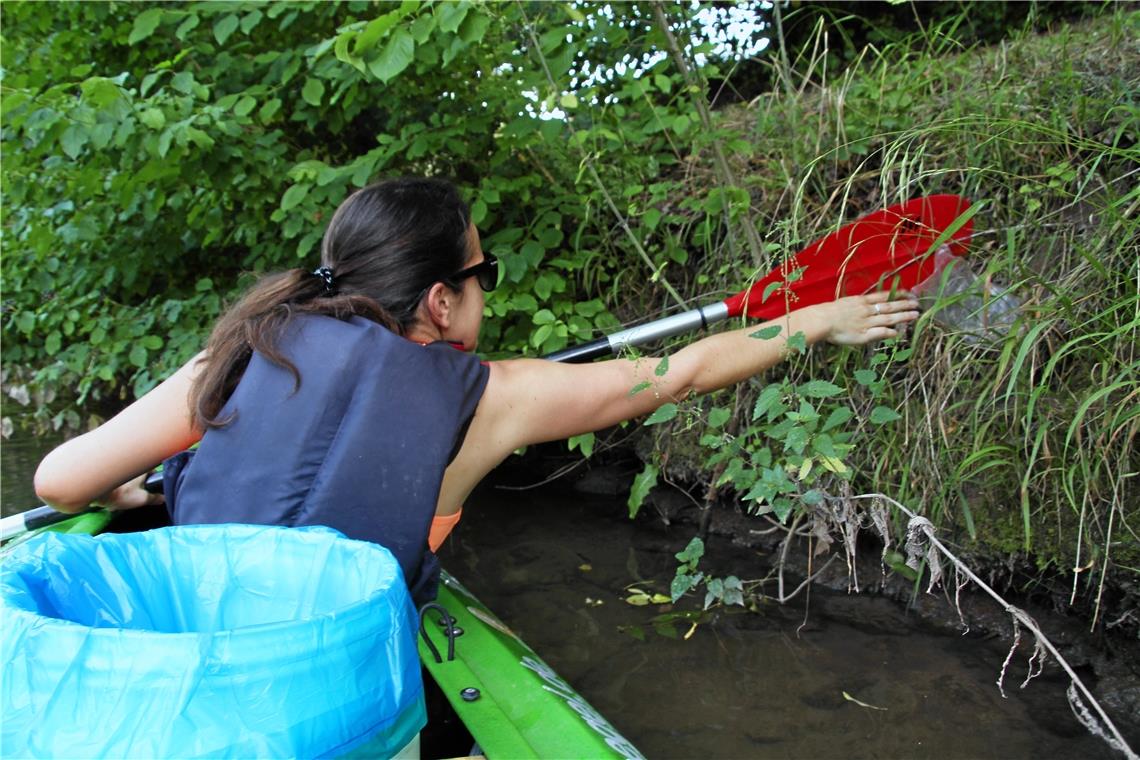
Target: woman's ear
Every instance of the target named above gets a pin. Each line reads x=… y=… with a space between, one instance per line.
x=439 y=303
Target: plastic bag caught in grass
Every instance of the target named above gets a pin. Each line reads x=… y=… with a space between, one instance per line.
x=960 y=300
x=206 y=641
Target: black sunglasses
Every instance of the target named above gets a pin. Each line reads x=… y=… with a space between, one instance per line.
x=486 y=270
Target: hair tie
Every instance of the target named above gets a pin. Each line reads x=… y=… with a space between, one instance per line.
x=326 y=276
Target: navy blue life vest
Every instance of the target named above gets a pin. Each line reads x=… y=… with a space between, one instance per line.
x=360 y=446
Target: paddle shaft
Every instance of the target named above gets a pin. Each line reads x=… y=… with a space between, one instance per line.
x=33 y=519
x=639 y=335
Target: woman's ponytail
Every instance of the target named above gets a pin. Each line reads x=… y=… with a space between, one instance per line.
x=385 y=245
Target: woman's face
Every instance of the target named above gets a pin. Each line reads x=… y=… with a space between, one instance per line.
x=468 y=314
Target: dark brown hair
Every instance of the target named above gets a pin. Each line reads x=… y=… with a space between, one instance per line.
x=386 y=245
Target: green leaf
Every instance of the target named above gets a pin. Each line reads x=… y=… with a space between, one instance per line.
x=882 y=414
x=145 y=24
x=52 y=343
x=72 y=140
x=183 y=81
x=797 y=344
x=568 y=101
x=837 y=418
x=187 y=26
x=766 y=333
x=865 y=376
x=767 y=398
x=664 y=413
x=313 y=91
x=643 y=483
x=640 y=387
x=250 y=20
x=819 y=389
x=692 y=552
x=584 y=443
x=224 y=27
x=372 y=33
x=294 y=195
x=397 y=54
x=153 y=118
x=473 y=28
x=451 y=15
x=269 y=109
x=244 y=106
x=718 y=415
x=662 y=367
x=138 y=355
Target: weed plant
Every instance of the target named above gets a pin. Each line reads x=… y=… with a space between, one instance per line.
x=1021 y=445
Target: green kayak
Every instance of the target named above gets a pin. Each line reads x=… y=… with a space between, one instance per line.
x=512 y=703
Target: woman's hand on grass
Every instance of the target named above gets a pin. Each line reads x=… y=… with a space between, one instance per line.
x=858 y=320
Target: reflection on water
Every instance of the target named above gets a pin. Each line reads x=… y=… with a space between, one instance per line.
x=746 y=685
x=18 y=459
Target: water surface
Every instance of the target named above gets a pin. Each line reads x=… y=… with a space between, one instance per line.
x=556 y=568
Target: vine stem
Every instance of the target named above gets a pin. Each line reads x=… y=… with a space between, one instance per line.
x=1018 y=614
x=589 y=164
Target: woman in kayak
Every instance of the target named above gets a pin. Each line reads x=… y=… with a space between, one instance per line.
x=349 y=396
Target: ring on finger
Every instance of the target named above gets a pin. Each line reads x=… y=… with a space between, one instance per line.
x=877 y=309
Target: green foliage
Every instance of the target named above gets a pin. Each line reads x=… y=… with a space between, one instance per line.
x=157 y=156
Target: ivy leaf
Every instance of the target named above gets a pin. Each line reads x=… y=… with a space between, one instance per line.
x=395 y=57
x=313 y=91
x=583 y=442
x=664 y=413
x=145 y=24
x=224 y=27
x=642 y=485
x=881 y=415
x=692 y=552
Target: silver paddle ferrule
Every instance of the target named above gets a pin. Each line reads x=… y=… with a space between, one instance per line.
x=667 y=327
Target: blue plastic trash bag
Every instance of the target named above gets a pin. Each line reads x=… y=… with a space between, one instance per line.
x=195 y=641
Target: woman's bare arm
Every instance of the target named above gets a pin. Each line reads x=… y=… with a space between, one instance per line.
x=530 y=401
x=95 y=466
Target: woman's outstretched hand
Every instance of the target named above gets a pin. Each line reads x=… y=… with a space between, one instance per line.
x=856 y=320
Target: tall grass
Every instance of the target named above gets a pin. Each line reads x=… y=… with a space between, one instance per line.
x=1022 y=445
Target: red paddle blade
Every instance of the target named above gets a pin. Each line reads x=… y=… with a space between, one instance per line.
x=888 y=248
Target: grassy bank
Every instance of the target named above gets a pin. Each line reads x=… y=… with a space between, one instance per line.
x=1019 y=441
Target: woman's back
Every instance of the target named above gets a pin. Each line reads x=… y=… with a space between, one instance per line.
x=360 y=445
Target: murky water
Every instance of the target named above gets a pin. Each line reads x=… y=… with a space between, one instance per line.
x=557 y=567
x=18 y=459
